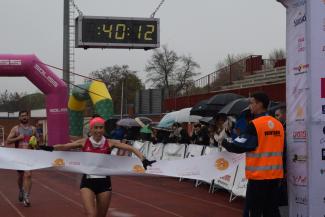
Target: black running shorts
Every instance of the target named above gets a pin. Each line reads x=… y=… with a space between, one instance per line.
x=97 y=185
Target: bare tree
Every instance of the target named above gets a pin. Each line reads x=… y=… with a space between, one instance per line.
x=232 y=67
x=161 y=68
x=277 y=54
x=112 y=75
x=11 y=102
x=185 y=74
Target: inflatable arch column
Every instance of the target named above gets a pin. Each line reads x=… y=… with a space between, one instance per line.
x=100 y=97
x=305 y=99
x=53 y=87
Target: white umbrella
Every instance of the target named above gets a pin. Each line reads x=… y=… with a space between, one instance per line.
x=180 y=116
x=168 y=120
x=127 y=122
x=183 y=115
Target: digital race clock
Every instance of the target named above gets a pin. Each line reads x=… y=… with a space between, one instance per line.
x=117 y=32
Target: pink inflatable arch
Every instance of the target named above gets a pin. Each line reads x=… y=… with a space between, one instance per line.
x=52 y=86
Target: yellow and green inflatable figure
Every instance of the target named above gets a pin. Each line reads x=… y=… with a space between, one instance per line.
x=95 y=91
x=32 y=142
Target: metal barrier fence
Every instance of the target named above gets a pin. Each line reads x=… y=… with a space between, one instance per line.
x=233 y=72
x=235 y=183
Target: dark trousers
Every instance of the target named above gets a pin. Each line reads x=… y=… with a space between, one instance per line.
x=262 y=198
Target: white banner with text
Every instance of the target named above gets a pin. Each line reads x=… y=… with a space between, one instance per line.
x=205 y=167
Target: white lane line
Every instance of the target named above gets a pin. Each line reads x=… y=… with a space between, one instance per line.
x=63 y=196
x=184 y=195
x=58 y=193
x=148 y=204
x=74 y=177
x=11 y=204
x=179 y=194
x=115 y=213
x=71 y=177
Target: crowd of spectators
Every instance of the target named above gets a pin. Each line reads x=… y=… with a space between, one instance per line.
x=209 y=133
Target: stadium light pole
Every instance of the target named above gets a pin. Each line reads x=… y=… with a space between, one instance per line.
x=122 y=99
x=66 y=44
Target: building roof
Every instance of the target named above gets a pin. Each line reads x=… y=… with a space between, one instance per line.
x=37 y=113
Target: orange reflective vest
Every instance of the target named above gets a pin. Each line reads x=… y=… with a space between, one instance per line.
x=266 y=161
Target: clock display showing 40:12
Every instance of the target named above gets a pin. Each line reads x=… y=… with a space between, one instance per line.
x=121 y=31
x=117 y=32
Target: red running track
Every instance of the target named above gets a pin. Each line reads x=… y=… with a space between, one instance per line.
x=56 y=194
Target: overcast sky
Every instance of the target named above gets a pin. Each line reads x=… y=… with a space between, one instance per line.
x=208 y=30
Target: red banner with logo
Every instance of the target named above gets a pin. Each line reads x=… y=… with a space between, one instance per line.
x=323 y=87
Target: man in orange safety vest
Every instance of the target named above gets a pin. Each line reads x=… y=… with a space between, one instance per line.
x=263 y=143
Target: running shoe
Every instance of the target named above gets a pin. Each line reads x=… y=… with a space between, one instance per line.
x=21 y=195
x=26 y=200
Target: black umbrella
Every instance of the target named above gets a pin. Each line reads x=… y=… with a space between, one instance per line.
x=273 y=106
x=220 y=100
x=203 y=109
x=235 y=107
x=207 y=120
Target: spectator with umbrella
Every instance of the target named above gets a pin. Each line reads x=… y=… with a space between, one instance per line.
x=242 y=122
x=129 y=122
x=132 y=126
x=118 y=133
x=212 y=106
x=224 y=126
x=280 y=114
x=200 y=135
x=179 y=134
x=145 y=130
x=239 y=109
x=160 y=135
x=211 y=130
x=235 y=107
x=220 y=100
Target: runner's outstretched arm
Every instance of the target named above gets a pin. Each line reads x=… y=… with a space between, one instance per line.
x=64 y=147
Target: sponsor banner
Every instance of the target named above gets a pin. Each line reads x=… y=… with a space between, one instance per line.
x=299 y=197
x=142 y=147
x=297 y=108
x=316 y=170
x=305 y=106
x=205 y=167
x=226 y=181
x=297 y=87
x=297 y=66
x=316 y=58
x=155 y=151
x=193 y=150
x=240 y=184
x=296 y=135
x=173 y=151
x=120 y=152
x=222 y=163
x=10 y=62
x=322 y=81
x=210 y=149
